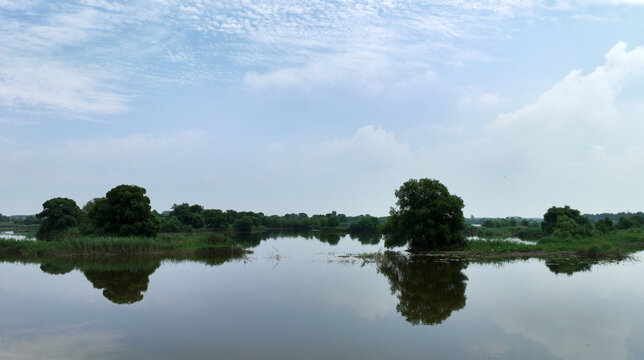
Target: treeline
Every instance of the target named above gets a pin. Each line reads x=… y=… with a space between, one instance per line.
x=509 y=221
x=19 y=219
x=125 y=211
x=622 y=220
x=558 y=222
x=188 y=218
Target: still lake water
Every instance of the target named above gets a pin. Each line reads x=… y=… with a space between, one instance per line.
x=297 y=298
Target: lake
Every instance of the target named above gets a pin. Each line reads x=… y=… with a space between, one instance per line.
x=298 y=297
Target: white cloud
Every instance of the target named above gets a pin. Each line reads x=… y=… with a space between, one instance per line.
x=550 y=148
x=56 y=86
x=580 y=101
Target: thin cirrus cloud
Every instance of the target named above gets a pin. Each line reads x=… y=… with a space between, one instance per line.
x=89 y=56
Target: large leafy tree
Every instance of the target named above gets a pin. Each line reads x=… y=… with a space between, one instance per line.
x=124 y=211
x=426 y=217
x=58 y=215
x=565 y=222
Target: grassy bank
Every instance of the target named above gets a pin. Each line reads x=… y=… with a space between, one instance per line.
x=616 y=244
x=164 y=244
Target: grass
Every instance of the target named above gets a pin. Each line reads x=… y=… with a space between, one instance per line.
x=165 y=244
x=616 y=244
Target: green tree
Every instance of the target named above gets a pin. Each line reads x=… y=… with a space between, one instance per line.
x=627 y=222
x=552 y=221
x=605 y=225
x=124 y=211
x=58 y=215
x=366 y=224
x=170 y=225
x=243 y=224
x=215 y=219
x=427 y=217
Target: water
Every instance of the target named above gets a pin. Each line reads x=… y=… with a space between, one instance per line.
x=8 y=234
x=298 y=298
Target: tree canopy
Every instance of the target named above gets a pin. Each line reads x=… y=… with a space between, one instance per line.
x=565 y=222
x=426 y=217
x=58 y=215
x=124 y=211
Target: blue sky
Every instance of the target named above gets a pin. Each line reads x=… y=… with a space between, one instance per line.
x=289 y=106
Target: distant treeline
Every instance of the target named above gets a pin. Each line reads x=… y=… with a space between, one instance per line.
x=187 y=218
x=20 y=219
x=503 y=222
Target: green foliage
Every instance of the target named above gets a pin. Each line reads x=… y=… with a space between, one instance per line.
x=190 y=215
x=91 y=246
x=565 y=222
x=170 y=225
x=58 y=215
x=605 y=225
x=507 y=222
x=567 y=228
x=427 y=217
x=124 y=211
x=630 y=221
x=215 y=219
x=243 y=224
x=366 y=224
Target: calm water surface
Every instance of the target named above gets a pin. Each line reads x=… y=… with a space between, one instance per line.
x=298 y=298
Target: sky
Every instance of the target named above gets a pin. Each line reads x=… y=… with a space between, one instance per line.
x=313 y=106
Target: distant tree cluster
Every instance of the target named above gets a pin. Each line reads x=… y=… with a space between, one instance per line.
x=631 y=221
x=124 y=211
x=4 y=219
x=366 y=224
x=507 y=222
x=187 y=218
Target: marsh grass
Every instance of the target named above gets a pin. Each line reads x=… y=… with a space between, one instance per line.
x=203 y=243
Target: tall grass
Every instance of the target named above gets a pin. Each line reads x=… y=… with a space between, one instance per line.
x=126 y=246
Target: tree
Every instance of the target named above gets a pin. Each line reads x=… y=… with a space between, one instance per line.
x=605 y=225
x=427 y=217
x=569 y=221
x=124 y=211
x=215 y=219
x=243 y=224
x=366 y=224
x=58 y=215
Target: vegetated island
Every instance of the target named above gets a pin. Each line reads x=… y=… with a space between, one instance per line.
x=427 y=219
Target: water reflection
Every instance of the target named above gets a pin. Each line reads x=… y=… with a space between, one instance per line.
x=569 y=266
x=123 y=280
x=428 y=289
x=367 y=238
x=331 y=238
x=122 y=286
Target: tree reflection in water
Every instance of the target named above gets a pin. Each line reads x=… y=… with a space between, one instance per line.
x=122 y=286
x=123 y=280
x=428 y=289
x=569 y=266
